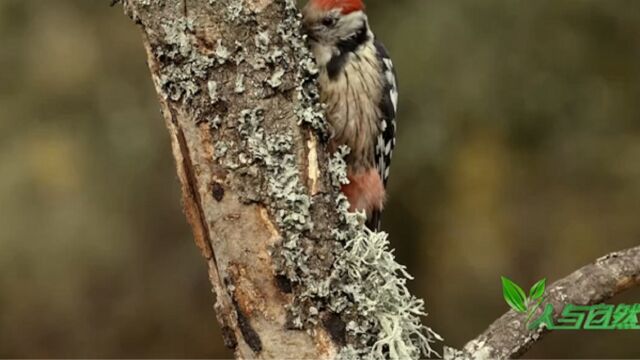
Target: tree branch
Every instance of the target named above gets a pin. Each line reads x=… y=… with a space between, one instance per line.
x=508 y=336
x=295 y=274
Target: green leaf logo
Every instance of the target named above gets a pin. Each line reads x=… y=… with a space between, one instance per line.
x=514 y=295
x=516 y=298
x=537 y=290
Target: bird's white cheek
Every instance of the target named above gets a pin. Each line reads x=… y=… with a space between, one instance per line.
x=322 y=54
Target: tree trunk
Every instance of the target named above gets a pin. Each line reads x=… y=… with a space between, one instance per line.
x=295 y=275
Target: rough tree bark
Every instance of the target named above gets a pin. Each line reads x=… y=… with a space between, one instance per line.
x=295 y=275
x=185 y=42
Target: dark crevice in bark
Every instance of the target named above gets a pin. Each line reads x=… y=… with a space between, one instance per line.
x=250 y=335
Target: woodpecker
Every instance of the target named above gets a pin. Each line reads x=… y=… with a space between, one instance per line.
x=358 y=84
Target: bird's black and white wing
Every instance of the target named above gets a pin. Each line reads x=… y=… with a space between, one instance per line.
x=386 y=141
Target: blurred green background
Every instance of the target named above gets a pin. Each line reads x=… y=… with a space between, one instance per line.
x=518 y=155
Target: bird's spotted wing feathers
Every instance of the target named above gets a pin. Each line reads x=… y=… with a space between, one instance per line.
x=388 y=107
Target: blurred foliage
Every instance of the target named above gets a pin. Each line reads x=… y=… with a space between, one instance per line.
x=518 y=155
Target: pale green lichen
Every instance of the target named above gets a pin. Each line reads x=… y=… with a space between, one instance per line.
x=212 y=86
x=239 y=85
x=234 y=10
x=310 y=109
x=151 y=2
x=215 y=123
x=276 y=78
x=183 y=66
x=288 y=198
x=222 y=53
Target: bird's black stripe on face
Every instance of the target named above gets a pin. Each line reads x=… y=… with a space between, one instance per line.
x=352 y=43
x=345 y=47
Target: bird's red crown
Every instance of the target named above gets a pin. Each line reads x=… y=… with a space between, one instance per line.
x=347 y=6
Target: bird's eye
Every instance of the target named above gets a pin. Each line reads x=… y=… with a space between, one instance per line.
x=329 y=21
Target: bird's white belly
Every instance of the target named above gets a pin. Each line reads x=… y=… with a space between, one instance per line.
x=353 y=106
